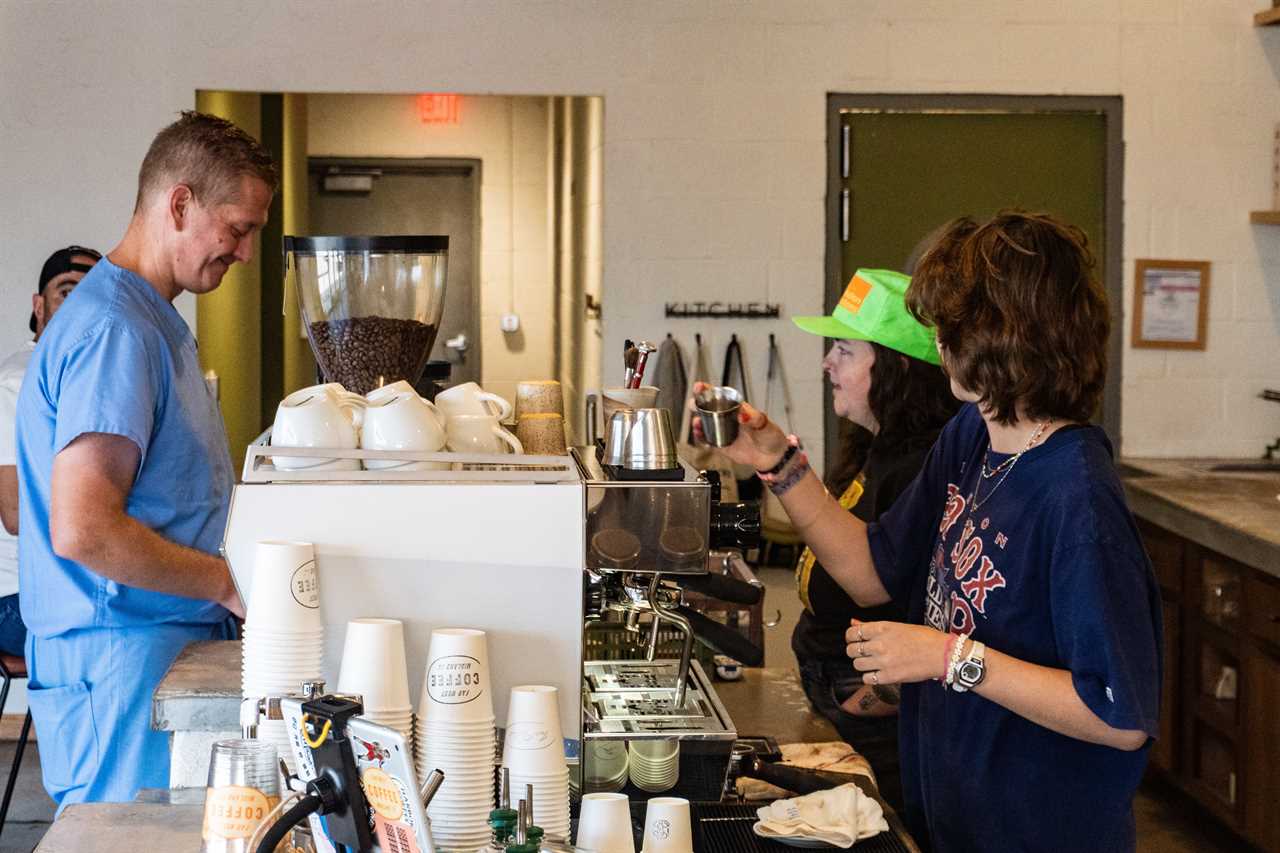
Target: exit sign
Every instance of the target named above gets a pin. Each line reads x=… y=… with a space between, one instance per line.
x=436 y=108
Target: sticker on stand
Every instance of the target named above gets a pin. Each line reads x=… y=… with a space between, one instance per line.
x=455 y=680
x=305 y=586
x=386 y=796
x=528 y=735
x=234 y=812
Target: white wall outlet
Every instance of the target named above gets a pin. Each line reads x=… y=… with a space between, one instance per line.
x=510 y=322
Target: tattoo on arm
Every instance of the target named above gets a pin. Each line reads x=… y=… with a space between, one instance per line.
x=867 y=701
x=889 y=694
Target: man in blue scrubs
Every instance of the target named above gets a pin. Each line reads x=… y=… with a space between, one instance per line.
x=123 y=469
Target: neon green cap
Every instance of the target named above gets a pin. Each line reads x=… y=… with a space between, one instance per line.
x=873 y=309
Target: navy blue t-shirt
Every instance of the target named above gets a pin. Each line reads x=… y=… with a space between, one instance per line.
x=1048 y=568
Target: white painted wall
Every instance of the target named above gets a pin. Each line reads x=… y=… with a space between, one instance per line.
x=714 y=140
x=509 y=136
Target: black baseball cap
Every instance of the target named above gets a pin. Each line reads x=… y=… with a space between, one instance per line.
x=60 y=262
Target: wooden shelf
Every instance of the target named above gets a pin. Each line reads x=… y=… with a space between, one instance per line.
x=1267 y=17
x=1265 y=217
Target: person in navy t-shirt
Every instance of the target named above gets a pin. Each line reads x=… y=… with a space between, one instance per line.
x=1030 y=661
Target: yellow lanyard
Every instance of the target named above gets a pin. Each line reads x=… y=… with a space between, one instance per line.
x=804 y=568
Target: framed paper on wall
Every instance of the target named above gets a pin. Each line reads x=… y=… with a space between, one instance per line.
x=1170 y=304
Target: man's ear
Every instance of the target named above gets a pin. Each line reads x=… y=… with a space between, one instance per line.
x=37 y=308
x=180 y=201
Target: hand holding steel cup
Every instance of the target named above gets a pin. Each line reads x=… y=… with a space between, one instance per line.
x=759 y=442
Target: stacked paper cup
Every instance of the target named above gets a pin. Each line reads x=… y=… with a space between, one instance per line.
x=455 y=734
x=654 y=764
x=373 y=666
x=283 y=630
x=534 y=753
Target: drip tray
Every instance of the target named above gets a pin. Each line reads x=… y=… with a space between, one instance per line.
x=638 y=697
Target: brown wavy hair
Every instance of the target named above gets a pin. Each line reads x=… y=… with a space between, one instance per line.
x=1020 y=315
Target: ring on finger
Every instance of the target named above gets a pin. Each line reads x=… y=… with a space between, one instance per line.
x=861 y=639
x=873 y=677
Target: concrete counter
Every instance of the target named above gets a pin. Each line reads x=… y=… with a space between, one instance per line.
x=198 y=702
x=124 y=828
x=1234 y=514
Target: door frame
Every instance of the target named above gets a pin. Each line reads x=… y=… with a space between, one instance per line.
x=1111 y=107
x=471 y=167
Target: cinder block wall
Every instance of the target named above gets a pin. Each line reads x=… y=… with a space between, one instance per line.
x=713 y=142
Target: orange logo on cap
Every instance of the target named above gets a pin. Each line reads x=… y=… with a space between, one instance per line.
x=854 y=294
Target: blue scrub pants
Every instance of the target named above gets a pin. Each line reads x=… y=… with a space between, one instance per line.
x=90 y=697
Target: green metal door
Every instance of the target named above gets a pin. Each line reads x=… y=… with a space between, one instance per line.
x=899 y=174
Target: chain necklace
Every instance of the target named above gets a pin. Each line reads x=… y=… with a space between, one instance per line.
x=974 y=501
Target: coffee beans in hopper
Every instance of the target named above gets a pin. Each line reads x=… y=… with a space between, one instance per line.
x=364 y=353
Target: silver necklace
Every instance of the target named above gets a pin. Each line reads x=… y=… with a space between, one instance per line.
x=974 y=501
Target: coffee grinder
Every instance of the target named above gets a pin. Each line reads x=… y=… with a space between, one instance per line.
x=371 y=307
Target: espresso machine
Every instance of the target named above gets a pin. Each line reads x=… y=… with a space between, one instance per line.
x=537 y=551
x=651 y=524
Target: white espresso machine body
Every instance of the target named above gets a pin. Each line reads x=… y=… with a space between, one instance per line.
x=506 y=558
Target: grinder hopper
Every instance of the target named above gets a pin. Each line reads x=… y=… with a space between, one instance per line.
x=371 y=305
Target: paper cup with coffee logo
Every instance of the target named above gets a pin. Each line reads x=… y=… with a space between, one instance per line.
x=456 y=684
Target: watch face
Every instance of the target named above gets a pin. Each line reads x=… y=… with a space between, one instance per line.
x=970 y=672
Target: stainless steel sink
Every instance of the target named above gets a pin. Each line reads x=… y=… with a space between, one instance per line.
x=1261 y=466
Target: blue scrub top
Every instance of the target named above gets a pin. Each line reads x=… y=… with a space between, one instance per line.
x=119 y=359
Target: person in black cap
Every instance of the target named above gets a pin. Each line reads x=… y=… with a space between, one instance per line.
x=60 y=274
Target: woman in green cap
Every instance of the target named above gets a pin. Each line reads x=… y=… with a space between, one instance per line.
x=886 y=380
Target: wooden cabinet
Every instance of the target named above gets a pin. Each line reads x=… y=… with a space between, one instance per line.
x=1220 y=710
x=1167 y=553
x=1262 y=760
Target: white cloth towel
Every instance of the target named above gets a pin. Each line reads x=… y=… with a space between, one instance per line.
x=840 y=816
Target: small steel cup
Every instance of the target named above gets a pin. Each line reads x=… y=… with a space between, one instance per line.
x=717 y=410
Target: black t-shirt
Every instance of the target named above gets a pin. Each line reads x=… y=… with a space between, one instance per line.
x=819 y=635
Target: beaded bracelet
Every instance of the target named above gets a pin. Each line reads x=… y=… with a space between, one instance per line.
x=946 y=655
x=780 y=484
x=956 y=652
x=793 y=447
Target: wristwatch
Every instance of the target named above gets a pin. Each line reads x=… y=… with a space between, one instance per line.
x=972 y=669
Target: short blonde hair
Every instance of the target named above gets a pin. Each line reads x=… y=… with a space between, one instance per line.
x=207 y=153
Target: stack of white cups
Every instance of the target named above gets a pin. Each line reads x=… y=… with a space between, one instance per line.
x=455 y=734
x=373 y=667
x=283 y=630
x=534 y=753
x=605 y=767
x=654 y=765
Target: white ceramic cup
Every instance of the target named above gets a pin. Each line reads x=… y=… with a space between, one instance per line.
x=373 y=666
x=391 y=389
x=666 y=826
x=318 y=416
x=402 y=421
x=480 y=434
x=286 y=588
x=470 y=399
x=605 y=824
x=456 y=682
